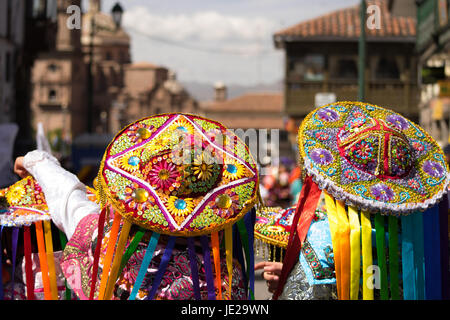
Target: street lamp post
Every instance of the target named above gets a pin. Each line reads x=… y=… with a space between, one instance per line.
x=362 y=53
x=117 y=12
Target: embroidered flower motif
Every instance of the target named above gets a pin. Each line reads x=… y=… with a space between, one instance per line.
x=432 y=168
x=179 y=207
x=130 y=162
x=137 y=198
x=233 y=170
x=414 y=184
x=15 y=194
x=321 y=135
x=418 y=146
x=362 y=150
x=382 y=192
x=322 y=156
x=398 y=121
x=203 y=167
x=228 y=210
x=163 y=175
x=350 y=174
x=328 y=114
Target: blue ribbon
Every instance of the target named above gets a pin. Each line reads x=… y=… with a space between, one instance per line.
x=433 y=285
x=419 y=260
x=208 y=268
x=409 y=282
x=194 y=268
x=443 y=239
x=249 y=220
x=162 y=268
x=144 y=266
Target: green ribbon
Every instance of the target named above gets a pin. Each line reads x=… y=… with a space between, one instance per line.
x=63 y=241
x=131 y=249
x=244 y=240
x=381 y=255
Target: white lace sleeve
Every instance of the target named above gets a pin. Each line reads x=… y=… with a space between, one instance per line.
x=65 y=194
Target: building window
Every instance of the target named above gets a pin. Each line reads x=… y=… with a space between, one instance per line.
x=52 y=96
x=310 y=67
x=52 y=67
x=387 y=69
x=346 y=69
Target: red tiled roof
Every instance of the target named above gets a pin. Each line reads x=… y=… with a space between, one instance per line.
x=251 y=102
x=345 y=23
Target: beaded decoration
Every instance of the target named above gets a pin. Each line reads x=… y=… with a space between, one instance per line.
x=25 y=204
x=373 y=158
x=179 y=174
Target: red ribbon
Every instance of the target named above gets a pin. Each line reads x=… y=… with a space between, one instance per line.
x=304 y=213
x=28 y=263
x=101 y=224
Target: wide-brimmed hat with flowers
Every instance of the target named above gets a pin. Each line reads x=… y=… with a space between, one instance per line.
x=177 y=175
x=376 y=169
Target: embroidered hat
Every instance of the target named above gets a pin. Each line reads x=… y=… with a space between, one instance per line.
x=375 y=168
x=24 y=207
x=178 y=175
x=272 y=230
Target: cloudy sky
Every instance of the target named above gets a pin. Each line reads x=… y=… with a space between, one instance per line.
x=216 y=40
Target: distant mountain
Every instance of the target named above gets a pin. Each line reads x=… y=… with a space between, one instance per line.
x=205 y=91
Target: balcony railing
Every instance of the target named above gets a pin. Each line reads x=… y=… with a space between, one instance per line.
x=397 y=95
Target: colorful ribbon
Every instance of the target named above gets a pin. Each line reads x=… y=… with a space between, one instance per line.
x=229 y=258
x=344 y=243
x=131 y=249
x=63 y=241
x=381 y=255
x=194 y=268
x=216 y=256
x=43 y=260
x=208 y=268
x=355 y=252
x=249 y=221
x=335 y=239
x=144 y=265
x=162 y=268
x=433 y=289
x=50 y=259
x=393 y=257
x=419 y=259
x=2 y=293
x=109 y=255
x=117 y=259
x=28 y=263
x=237 y=253
x=367 y=261
x=408 y=272
x=15 y=236
x=443 y=237
x=100 y=227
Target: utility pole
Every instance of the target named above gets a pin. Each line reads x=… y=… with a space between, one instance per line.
x=362 y=53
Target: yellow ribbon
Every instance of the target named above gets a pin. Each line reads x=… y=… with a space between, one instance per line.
x=117 y=259
x=355 y=252
x=366 y=238
x=335 y=240
x=50 y=259
x=229 y=257
x=344 y=243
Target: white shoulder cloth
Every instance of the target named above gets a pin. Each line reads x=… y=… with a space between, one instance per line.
x=65 y=195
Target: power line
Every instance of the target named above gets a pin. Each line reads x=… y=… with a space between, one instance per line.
x=188 y=46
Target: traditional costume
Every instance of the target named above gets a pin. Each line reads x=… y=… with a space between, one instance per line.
x=174 y=215
x=376 y=170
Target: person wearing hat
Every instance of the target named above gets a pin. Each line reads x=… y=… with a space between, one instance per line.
x=384 y=181
x=170 y=189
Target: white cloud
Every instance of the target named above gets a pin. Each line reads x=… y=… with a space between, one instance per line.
x=203 y=26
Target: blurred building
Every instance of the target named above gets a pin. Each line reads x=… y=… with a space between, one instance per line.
x=58 y=78
x=321 y=56
x=251 y=111
x=150 y=89
x=433 y=47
